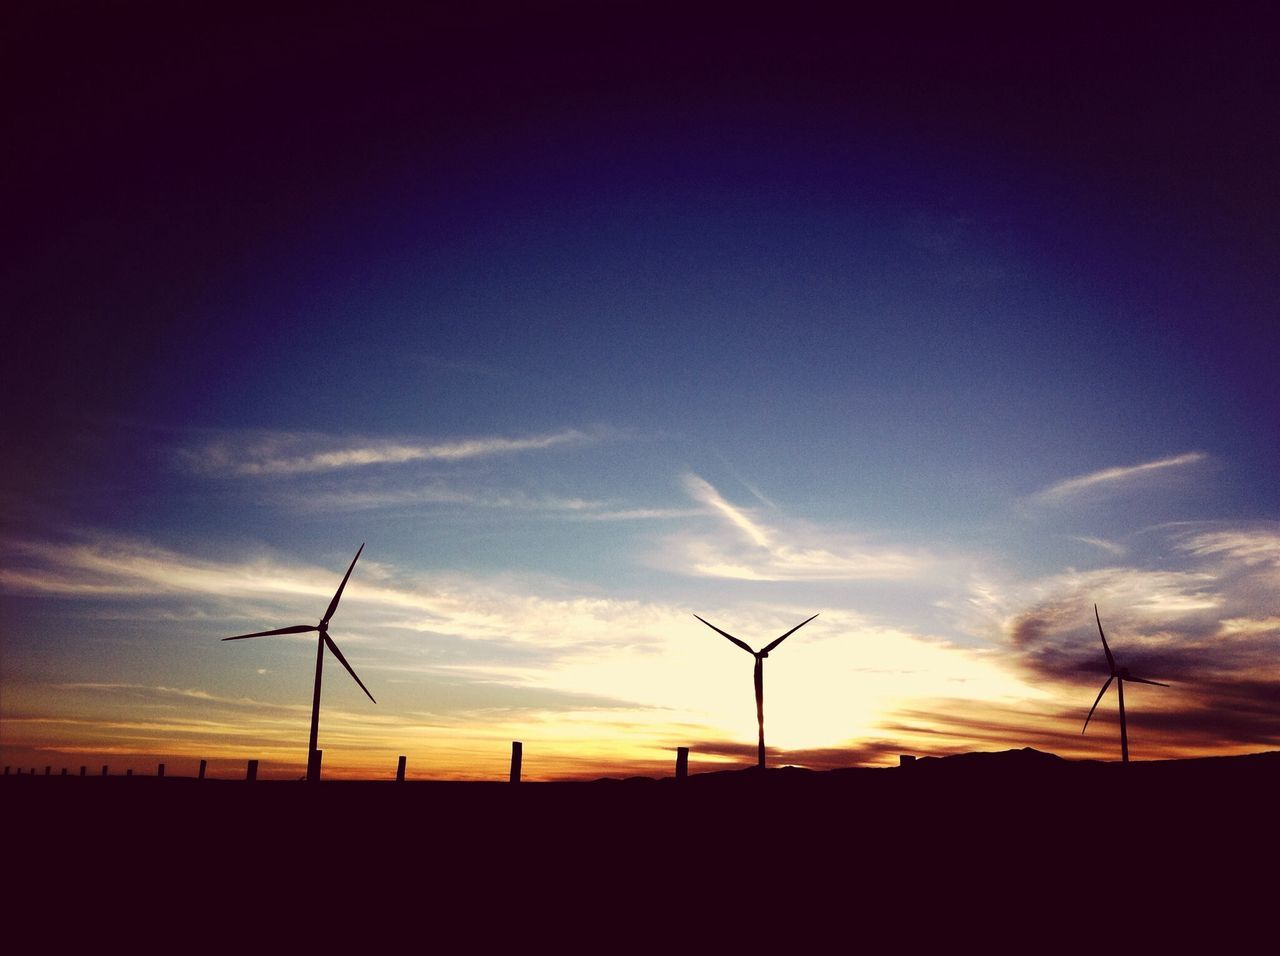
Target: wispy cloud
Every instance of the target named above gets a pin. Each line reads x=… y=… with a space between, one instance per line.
x=637 y=514
x=195 y=693
x=755 y=551
x=1251 y=546
x=276 y=454
x=109 y=565
x=436 y=492
x=1102 y=544
x=702 y=491
x=1111 y=480
x=505 y=610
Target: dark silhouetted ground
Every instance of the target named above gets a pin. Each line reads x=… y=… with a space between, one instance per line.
x=979 y=838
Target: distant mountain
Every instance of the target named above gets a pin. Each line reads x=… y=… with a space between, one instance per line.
x=1026 y=758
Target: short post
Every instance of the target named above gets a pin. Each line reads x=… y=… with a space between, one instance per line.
x=203 y=765
x=251 y=771
x=682 y=762
x=104 y=769
x=160 y=771
x=83 y=770
x=47 y=770
x=6 y=770
x=400 y=770
x=64 y=771
x=129 y=772
x=517 y=754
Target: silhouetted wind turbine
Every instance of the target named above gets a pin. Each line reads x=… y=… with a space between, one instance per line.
x=1119 y=675
x=759 y=656
x=313 y=768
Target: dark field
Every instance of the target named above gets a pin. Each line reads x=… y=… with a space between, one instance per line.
x=972 y=834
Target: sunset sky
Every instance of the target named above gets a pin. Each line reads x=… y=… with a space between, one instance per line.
x=945 y=325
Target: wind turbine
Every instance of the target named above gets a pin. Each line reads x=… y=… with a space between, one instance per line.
x=1119 y=675
x=759 y=656
x=313 y=765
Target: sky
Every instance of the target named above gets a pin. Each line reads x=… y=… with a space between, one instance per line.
x=946 y=325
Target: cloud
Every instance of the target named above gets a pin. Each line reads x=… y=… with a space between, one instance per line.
x=754 y=551
x=160 y=691
x=107 y=565
x=1210 y=627
x=433 y=493
x=498 y=609
x=430 y=493
x=719 y=754
x=638 y=514
x=1103 y=544
x=1114 y=480
x=702 y=491
x=278 y=454
x=1251 y=546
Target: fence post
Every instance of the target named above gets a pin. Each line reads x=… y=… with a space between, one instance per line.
x=47 y=770
x=64 y=771
x=83 y=769
x=160 y=771
x=517 y=754
x=400 y=770
x=251 y=771
x=682 y=762
x=129 y=772
x=203 y=764
x=104 y=769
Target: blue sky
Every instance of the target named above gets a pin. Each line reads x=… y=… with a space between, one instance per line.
x=584 y=325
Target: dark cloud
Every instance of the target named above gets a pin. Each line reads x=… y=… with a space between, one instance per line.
x=1206 y=622
x=955 y=726
x=861 y=753
x=1210 y=631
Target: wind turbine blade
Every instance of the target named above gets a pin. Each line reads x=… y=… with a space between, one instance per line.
x=328 y=641
x=1110 y=660
x=1143 y=680
x=333 y=605
x=742 y=644
x=1095 y=703
x=786 y=635
x=295 y=629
